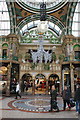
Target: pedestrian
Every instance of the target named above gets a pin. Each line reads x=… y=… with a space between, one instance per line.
x=17 y=91
x=53 y=101
x=66 y=95
x=77 y=98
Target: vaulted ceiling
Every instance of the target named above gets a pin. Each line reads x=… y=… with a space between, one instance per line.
x=59 y=13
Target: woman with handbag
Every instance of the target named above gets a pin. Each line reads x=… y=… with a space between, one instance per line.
x=66 y=97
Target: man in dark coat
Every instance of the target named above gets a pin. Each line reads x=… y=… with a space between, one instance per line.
x=53 y=99
x=66 y=97
x=77 y=98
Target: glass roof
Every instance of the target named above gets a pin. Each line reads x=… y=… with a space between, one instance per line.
x=56 y=30
x=4 y=19
x=36 y=3
x=76 y=21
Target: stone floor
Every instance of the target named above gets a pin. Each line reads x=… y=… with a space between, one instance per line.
x=32 y=107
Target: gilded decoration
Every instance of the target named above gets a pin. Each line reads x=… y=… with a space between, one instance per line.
x=61 y=14
x=21 y=13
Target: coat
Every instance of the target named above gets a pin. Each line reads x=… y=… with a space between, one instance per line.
x=66 y=94
x=17 y=88
x=77 y=94
x=53 y=95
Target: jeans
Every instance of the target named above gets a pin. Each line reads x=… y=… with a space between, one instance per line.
x=68 y=103
x=78 y=106
x=17 y=94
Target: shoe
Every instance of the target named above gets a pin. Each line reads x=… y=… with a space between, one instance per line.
x=50 y=110
x=79 y=114
x=69 y=109
x=76 y=113
x=57 y=110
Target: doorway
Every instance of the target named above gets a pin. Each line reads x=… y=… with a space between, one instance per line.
x=40 y=84
x=54 y=80
x=27 y=83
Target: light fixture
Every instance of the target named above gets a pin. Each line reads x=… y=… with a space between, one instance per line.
x=42 y=27
x=41 y=54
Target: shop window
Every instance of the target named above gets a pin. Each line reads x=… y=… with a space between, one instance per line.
x=77 y=54
x=4 y=53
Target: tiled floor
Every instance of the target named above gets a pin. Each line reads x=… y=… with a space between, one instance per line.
x=32 y=107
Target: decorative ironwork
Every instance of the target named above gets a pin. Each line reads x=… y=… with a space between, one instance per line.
x=41 y=53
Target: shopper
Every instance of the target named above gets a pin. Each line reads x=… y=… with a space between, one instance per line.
x=77 y=98
x=53 y=100
x=17 y=91
x=66 y=97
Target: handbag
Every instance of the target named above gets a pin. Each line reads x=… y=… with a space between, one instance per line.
x=72 y=102
x=54 y=104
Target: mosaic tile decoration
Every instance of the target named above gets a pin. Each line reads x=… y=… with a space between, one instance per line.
x=37 y=104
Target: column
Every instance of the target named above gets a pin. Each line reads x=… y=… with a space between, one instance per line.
x=8 y=81
x=72 y=78
x=47 y=87
x=63 y=79
x=33 y=87
x=60 y=79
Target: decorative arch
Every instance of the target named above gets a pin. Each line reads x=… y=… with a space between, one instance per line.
x=5 y=45
x=76 y=47
x=25 y=75
x=37 y=17
x=40 y=75
x=54 y=80
x=70 y=15
x=54 y=76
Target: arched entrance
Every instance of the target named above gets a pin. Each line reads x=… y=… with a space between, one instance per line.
x=26 y=83
x=54 y=80
x=40 y=84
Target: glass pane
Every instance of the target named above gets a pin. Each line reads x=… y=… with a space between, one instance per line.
x=4 y=32
x=57 y=28
x=4 y=16
x=4 y=19
x=76 y=21
x=76 y=26
x=75 y=33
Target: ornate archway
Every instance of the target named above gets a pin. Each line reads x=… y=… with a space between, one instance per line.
x=54 y=80
x=26 y=83
x=40 y=84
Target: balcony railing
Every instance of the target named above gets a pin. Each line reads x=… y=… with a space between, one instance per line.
x=66 y=59
x=15 y=58
x=77 y=58
x=6 y=58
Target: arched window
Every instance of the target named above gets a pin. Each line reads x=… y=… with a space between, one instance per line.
x=4 y=50
x=76 y=21
x=77 y=51
x=4 y=18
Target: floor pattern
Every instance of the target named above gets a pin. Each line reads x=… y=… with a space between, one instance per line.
x=34 y=104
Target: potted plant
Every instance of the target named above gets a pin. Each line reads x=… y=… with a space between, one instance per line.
x=54 y=57
x=61 y=57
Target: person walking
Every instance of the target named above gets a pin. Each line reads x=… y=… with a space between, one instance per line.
x=77 y=98
x=53 y=101
x=66 y=95
x=17 y=91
